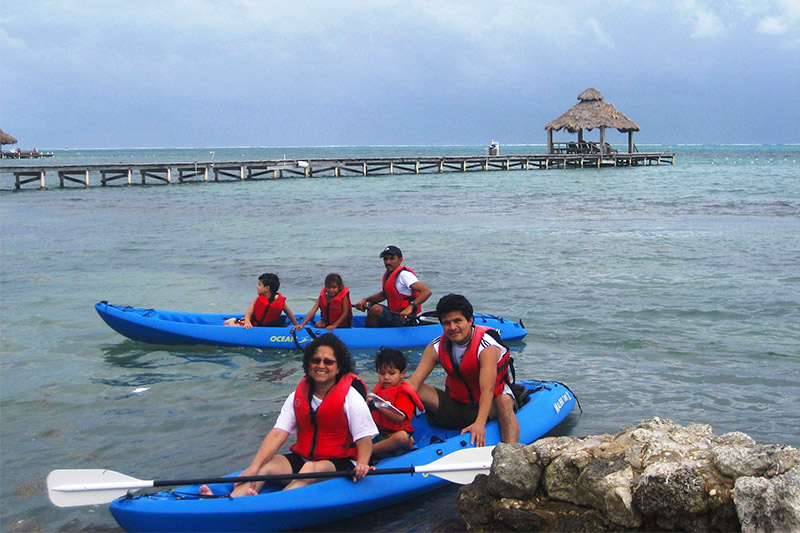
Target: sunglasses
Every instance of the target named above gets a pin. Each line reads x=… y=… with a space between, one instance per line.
x=320 y=360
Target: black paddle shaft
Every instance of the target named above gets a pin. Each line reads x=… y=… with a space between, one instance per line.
x=278 y=477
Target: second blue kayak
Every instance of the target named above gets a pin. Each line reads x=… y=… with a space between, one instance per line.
x=175 y=327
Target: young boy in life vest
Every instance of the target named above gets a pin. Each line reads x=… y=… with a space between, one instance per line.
x=333 y=304
x=268 y=307
x=393 y=419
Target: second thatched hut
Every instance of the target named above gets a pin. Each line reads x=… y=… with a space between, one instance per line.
x=5 y=138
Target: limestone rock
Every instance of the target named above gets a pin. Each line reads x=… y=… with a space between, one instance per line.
x=738 y=461
x=657 y=475
x=769 y=504
x=512 y=476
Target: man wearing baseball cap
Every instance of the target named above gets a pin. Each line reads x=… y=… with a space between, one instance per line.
x=403 y=291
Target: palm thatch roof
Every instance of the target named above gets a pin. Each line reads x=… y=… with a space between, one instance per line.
x=592 y=112
x=5 y=138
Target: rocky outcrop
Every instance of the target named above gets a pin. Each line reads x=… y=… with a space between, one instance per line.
x=657 y=475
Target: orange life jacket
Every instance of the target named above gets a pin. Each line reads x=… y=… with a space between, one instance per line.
x=463 y=381
x=395 y=300
x=332 y=309
x=391 y=394
x=324 y=433
x=266 y=313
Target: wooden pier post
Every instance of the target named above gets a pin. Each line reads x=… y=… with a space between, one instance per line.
x=22 y=178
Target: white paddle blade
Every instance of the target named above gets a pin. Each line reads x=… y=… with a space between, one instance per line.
x=462 y=466
x=70 y=488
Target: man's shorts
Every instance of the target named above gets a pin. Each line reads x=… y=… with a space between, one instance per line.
x=390 y=319
x=297 y=461
x=452 y=414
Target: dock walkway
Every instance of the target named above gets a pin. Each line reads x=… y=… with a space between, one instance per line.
x=205 y=171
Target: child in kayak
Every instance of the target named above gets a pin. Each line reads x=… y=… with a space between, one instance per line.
x=393 y=403
x=334 y=305
x=328 y=413
x=268 y=309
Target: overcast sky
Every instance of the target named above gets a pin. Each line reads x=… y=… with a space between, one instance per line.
x=212 y=73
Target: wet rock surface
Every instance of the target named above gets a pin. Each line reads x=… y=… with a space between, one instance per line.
x=657 y=475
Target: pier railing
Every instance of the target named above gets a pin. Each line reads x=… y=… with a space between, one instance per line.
x=204 y=171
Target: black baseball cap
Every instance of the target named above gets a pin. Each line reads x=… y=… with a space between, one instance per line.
x=391 y=250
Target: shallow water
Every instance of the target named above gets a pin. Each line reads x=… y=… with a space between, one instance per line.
x=669 y=291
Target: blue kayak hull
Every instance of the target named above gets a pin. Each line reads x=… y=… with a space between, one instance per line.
x=173 y=327
x=326 y=501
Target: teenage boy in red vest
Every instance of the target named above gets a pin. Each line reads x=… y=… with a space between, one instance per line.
x=477 y=385
x=403 y=291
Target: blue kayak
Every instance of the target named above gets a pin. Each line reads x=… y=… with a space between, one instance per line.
x=174 y=327
x=274 y=510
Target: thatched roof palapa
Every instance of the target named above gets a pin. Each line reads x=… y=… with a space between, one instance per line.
x=5 y=138
x=589 y=113
x=592 y=112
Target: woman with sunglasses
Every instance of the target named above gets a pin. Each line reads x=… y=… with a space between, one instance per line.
x=328 y=413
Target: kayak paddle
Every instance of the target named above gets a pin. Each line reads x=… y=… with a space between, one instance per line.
x=74 y=487
x=424 y=318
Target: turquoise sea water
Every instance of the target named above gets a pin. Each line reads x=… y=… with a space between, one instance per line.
x=669 y=291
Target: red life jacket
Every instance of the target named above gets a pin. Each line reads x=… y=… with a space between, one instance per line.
x=395 y=300
x=332 y=309
x=266 y=313
x=391 y=394
x=462 y=382
x=324 y=434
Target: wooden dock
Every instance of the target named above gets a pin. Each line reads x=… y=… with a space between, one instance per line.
x=167 y=173
x=20 y=154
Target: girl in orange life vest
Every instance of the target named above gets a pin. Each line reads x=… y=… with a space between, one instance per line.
x=477 y=376
x=328 y=412
x=334 y=305
x=266 y=309
x=395 y=427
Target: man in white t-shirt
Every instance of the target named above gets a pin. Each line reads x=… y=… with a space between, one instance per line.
x=477 y=385
x=403 y=291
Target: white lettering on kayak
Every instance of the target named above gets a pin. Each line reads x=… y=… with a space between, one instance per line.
x=288 y=338
x=561 y=401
